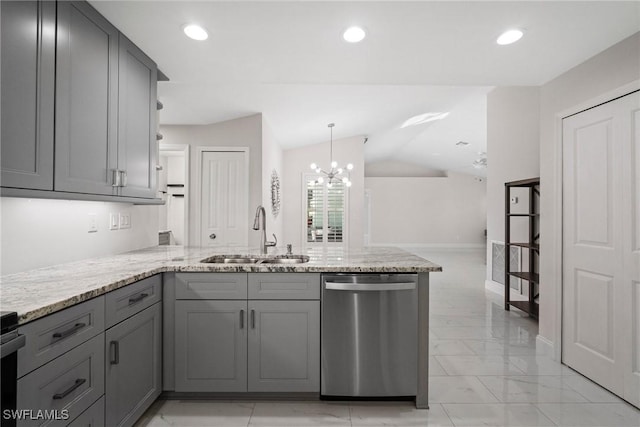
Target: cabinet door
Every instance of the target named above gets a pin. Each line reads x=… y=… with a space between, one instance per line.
x=137 y=144
x=284 y=346
x=86 y=100
x=211 y=346
x=27 y=86
x=133 y=366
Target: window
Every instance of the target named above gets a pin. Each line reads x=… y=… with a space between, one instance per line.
x=325 y=212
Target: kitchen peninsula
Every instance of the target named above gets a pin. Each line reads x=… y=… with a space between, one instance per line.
x=154 y=282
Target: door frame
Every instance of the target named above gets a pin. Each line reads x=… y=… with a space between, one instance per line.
x=185 y=148
x=200 y=150
x=557 y=254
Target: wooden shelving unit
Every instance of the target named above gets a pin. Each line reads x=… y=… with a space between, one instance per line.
x=529 y=306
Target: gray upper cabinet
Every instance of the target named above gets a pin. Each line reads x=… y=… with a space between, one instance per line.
x=27 y=86
x=133 y=366
x=78 y=105
x=137 y=146
x=86 y=100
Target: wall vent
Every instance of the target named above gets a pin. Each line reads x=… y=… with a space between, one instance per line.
x=497 y=264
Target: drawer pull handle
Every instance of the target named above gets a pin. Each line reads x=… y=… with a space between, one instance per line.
x=75 y=328
x=241 y=319
x=137 y=299
x=253 y=319
x=114 y=353
x=68 y=391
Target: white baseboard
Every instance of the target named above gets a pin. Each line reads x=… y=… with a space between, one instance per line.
x=545 y=347
x=433 y=245
x=495 y=287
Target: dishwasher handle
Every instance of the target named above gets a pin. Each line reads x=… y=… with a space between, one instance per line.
x=397 y=286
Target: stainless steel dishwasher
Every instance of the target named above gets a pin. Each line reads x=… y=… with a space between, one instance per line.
x=369 y=335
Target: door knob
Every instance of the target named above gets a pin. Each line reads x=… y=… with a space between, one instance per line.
x=212 y=236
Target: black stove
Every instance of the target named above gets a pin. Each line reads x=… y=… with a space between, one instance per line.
x=10 y=343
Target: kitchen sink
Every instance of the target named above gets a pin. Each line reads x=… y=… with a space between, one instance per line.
x=250 y=259
x=284 y=259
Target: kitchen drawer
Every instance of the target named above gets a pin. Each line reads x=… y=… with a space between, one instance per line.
x=129 y=300
x=72 y=382
x=54 y=335
x=92 y=417
x=211 y=285
x=278 y=286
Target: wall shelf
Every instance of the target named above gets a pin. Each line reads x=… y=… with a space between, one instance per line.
x=530 y=305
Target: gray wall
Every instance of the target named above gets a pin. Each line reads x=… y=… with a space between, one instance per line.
x=583 y=86
x=513 y=153
x=432 y=211
x=242 y=132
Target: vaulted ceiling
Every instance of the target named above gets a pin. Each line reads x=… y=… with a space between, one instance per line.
x=288 y=61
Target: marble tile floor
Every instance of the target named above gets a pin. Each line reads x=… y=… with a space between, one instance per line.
x=484 y=371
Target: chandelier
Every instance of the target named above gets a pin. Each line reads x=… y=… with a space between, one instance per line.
x=335 y=174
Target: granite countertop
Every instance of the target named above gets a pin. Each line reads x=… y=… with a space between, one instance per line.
x=36 y=293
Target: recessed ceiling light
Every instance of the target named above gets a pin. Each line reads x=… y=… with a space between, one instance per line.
x=423 y=118
x=195 y=32
x=510 y=36
x=354 y=34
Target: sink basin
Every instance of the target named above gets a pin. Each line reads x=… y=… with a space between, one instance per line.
x=249 y=259
x=285 y=259
x=231 y=259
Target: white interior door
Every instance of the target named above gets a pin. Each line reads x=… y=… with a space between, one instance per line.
x=631 y=246
x=224 y=199
x=600 y=246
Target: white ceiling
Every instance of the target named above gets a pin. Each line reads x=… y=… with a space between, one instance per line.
x=287 y=60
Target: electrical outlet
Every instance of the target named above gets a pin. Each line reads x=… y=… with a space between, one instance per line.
x=514 y=200
x=114 y=221
x=93 y=223
x=125 y=220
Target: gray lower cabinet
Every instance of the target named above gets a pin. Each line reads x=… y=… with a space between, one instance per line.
x=239 y=346
x=68 y=384
x=86 y=125
x=133 y=376
x=211 y=346
x=284 y=346
x=92 y=417
x=27 y=92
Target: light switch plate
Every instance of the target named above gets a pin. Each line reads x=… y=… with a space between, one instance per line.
x=93 y=223
x=114 y=221
x=125 y=220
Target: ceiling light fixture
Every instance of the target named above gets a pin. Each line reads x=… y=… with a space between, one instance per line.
x=510 y=36
x=423 y=118
x=335 y=173
x=354 y=34
x=195 y=32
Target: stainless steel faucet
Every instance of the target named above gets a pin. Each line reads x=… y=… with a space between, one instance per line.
x=260 y=223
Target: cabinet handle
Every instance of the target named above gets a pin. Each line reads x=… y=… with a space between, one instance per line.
x=72 y=330
x=68 y=391
x=137 y=299
x=212 y=236
x=123 y=178
x=114 y=352
x=253 y=319
x=115 y=178
x=241 y=319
